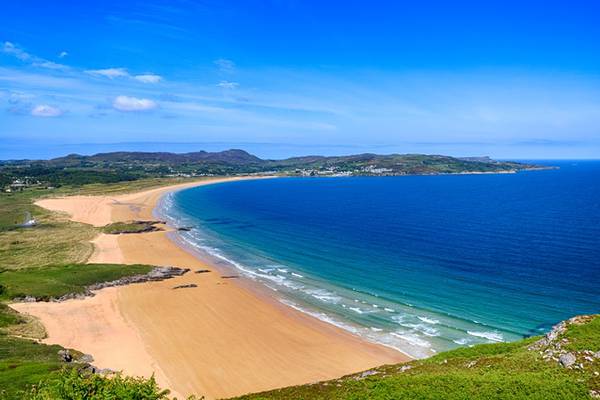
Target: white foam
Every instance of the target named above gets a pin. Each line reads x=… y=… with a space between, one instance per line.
x=412 y=339
x=398 y=318
x=426 y=330
x=389 y=309
x=461 y=342
x=322 y=316
x=297 y=275
x=429 y=320
x=491 y=336
x=324 y=295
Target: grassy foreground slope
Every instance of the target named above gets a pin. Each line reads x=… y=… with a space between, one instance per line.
x=527 y=369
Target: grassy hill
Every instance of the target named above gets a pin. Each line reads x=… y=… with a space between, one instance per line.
x=565 y=364
x=114 y=167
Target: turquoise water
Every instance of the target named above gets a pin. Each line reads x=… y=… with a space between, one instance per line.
x=420 y=263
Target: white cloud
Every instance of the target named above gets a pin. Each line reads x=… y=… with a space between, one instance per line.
x=44 y=110
x=228 y=85
x=49 y=65
x=127 y=103
x=113 y=73
x=148 y=78
x=10 y=48
x=14 y=50
x=110 y=73
x=224 y=65
x=63 y=54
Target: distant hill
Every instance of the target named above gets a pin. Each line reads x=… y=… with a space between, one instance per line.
x=75 y=169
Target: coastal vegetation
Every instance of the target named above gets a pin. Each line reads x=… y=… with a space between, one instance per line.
x=56 y=281
x=117 y=228
x=111 y=168
x=73 y=384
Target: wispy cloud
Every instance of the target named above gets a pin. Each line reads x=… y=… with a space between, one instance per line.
x=17 y=52
x=148 y=78
x=110 y=73
x=10 y=48
x=63 y=54
x=225 y=66
x=228 y=85
x=127 y=104
x=49 y=65
x=44 y=110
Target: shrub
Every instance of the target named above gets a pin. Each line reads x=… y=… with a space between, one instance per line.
x=72 y=384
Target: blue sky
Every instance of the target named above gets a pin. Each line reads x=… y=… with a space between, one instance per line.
x=280 y=78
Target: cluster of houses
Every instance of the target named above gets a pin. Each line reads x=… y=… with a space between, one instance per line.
x=335 y=171
x=18 y=185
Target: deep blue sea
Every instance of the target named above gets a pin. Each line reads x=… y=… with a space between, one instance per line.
x=420 y=263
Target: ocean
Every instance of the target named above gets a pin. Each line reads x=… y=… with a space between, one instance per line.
x=419 y=263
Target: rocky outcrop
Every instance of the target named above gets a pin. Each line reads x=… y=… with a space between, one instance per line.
x=554 y=346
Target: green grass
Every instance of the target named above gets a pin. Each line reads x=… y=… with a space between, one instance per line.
x=494 y=371
x=584 y=337
x=74 y=384
x=129 y=227
x=58 y=280
x=54 y=240
x=23 y=362
x=8 y=316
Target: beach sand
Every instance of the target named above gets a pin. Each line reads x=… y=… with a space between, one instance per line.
x=219 y=339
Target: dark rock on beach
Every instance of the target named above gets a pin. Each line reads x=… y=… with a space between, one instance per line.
x=201 y=271
x=189 y=285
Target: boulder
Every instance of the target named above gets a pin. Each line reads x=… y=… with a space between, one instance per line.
x=567 y=359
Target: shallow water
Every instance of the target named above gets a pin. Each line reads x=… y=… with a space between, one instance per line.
x=420 y=263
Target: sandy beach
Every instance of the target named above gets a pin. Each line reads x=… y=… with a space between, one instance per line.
x=219 y=339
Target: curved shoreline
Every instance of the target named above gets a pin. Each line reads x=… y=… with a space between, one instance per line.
x=217 y=339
